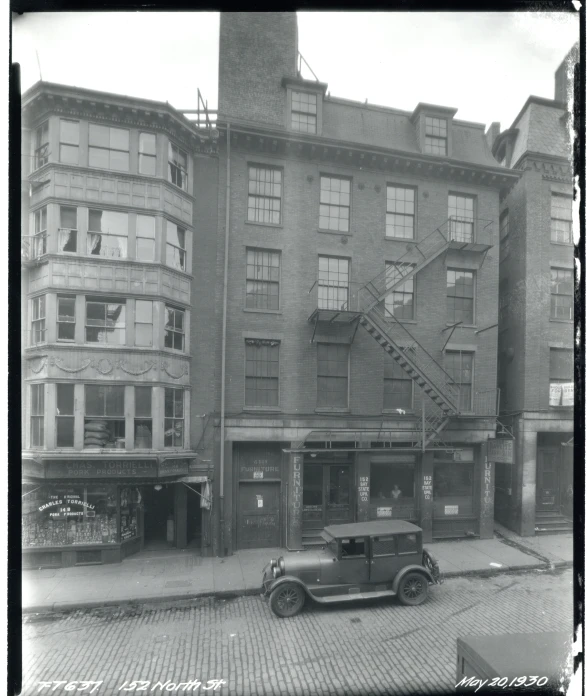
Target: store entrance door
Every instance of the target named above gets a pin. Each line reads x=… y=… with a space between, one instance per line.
x=547 y=480
x=194 y=517
x=158 y=511
x=327 y=495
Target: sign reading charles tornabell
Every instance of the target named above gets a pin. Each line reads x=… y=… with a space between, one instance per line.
x=101 y=468
x=260 y=462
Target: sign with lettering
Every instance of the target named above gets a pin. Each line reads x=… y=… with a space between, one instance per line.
x=427 y=487
x=383 y=512
x=568 y=394
x=257 y=474
x=500 y=450
x=173 y=467
x=260 y=469
x=101 y=468
x=451 y=509
x=364 y=489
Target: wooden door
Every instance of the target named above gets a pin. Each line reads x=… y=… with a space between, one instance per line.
x=547 y=481
x=338 y=482
x=258 y=515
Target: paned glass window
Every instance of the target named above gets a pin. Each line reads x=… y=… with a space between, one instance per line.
x=262 y=279
x=335 y=203
x=175 y=246
x=67 y=240
x=108 y=234
x=69 y=141
x=303 y=112
x=400 y=301
x=333 y=375
x=65 y=318
x=145 y=238
x=143 y=418
x=174 y=417
x=436 y=136
x=398 y=386
x=353 y=547
x=461 y=213
x=562 y=385
x=264 y=199
x=37 y=415
x=392 y=483
x=561 y=294
x=104 y=425
x=147 y=154
x=384 y=546
x=109 y=148
x=105 y=322
x=460 y=296
x=178 y=167
x=64 y=415
x=38 y=320
x=401 y=212
x=41 y=145
x=143 y=323
x=459 y=366
x=174 y=328
x=407 y=544
x=261 y=373
x=333 y=282
x=561 y=218
x=40 y=239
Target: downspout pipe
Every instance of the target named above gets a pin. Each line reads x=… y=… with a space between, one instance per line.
x=223 y=363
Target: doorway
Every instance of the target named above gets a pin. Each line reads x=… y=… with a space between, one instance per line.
x=194 y=517
x=327 y=495
x=159 y=508
x=547 y=480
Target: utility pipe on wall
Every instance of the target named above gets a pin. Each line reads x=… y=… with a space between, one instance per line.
x=223 y=367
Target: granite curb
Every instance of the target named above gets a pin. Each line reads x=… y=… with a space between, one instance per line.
x=63 y=607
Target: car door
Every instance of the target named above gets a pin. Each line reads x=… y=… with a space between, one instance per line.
x=385 y=561
x=354 y=562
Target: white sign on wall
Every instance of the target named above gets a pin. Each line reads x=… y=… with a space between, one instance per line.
x=451 y=509
x=383 y=512
x=257 y=474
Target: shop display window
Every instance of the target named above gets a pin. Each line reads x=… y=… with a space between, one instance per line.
x=130 y=502
x=69 y=515
x=392 y=483
x=453 y=489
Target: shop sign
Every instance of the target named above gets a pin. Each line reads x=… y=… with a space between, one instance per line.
x=33 y=468
x=451 y=509
x=427 y=487
x=257 y=474
x=173 y=467
x=383 y=512
x=500 y=450
x=259 y=501
x=101 y=468
x=568 y=394
x=364 y=489
x=260 y=469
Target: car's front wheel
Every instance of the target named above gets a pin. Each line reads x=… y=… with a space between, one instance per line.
x=413 y=589
x=287 y=600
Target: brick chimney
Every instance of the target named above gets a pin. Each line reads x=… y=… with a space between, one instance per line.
x=564 y=76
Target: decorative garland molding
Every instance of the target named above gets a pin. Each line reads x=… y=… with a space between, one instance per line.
x=36 y=368
x=184 y=370
x=58 y=363
x=130 y=371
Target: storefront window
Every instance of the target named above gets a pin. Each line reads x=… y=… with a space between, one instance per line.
x=69 y=515
x=453 y=488
x=130 y=502
x=392 y=483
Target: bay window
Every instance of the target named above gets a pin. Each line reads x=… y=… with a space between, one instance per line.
x=104 y=425
x=174 y=416
x=107 y=234
x=105 y=321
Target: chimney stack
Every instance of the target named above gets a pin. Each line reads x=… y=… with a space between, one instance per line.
x=564 y=76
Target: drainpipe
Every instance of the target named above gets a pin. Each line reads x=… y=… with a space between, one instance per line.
x=223 y=369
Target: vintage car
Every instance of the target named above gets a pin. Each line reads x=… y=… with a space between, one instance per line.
x=383 y=558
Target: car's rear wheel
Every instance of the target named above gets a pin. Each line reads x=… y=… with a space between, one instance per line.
x=287 y=599
x=413 y=589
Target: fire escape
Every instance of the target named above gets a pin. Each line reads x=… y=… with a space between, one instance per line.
x=441 y=399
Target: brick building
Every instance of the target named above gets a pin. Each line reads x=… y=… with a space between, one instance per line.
x=116 y=366
x=536 y=293
x=358 y=264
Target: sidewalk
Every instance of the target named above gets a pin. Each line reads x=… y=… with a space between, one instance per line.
x=176 y=574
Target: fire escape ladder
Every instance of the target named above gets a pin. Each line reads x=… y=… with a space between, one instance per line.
x=435 y=420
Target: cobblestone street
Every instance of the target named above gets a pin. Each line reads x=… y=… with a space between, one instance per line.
x=378 y=647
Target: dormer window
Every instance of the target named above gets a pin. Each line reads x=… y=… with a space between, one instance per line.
x=304 y=111
x=436 y=136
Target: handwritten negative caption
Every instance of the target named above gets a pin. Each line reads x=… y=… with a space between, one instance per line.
x=500 y=683
x=92 y=686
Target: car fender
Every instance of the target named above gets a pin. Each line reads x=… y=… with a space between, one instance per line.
x=289 y=578
x=411 y=569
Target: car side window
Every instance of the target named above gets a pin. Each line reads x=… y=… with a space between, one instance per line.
x=407 y=543
x=352 y=548
x=384 y=546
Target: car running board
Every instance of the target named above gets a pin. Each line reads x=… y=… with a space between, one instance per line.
x=352 y=596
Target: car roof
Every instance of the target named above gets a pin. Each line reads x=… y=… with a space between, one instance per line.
x=371 y=528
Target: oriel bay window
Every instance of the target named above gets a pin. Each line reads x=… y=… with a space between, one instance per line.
x=333 y=282
x=37 y=415
x=262 y=291
x=64 y=415
x=65 y=318
x=261 y=372
x=175 y=247
x=145 y=238
x=143 y=323
x=460 y=296
x=264 y=199
x=38 y=320
x=41 y=145
x=561 y=294
x=104 y=425
x=401 y=212
x=174 y=416
x=147 y=154
x=109 y=148
x=68 y=141
x=398 y=386
x=459 y=366
x=105 y=321
x=333 y=375
x=143 y=418
x=335 y=203
x=178 y=167
x=67 y=240
x=561 y=377
x=108 y=234
x=461 y=213
x=174 y=328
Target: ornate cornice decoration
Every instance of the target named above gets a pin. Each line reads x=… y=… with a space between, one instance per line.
x=130 y=371
x=184 y=370
x=103 y=365
x=556 y=171
x=57 y=362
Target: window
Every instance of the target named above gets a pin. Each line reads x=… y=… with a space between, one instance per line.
x=145 y=238
x=175 y=248
x=561 y=218
x=333 y=375
x=459 y=366
x=460 y=296
x=261 y=373
x=333 y=282
x=401 y=212
x=400 y=301
x=392 y=483
x=67 y=240
x=109 y=148
x=65 y=318
x=174 y=328
x=504 y=225
x=353 y=548
x=37 y=415
x=38 y=320
x=398 y=387
x=453 y=480
x=105 y=322
x=264 y=201
x=69 y=141
x=461 y=213
x=104 y=421
x=178 y=167
x=561 y=294
x=143 y=418
x=383 y=546
x=173 y=417
x=561 y=377
x=40 y=238
x=303 y=112
x=64 y=417
x=335 y=203
x=407 y=544
x=108 y=234
x=143 y=323
x=41 y=145
x=436 y=136
x=262 y=279
x=147 y=154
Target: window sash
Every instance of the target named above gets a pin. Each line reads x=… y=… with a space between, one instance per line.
x=401 y=212
x=147 y=154
x=333 y=282
x=435 y=146
x=104 y=401
x=178 y=174
x=264 y=195
x=41 y=145
x=335 y=203
x=37 y=415
x=332 y=375
x=460 y=296
x=459 y=365
x=105 y=322
x=261 y=375
x=561 y=294
x=174 y=328
x=262 y=279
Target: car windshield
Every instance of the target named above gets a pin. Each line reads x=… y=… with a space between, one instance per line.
x=330 y=542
